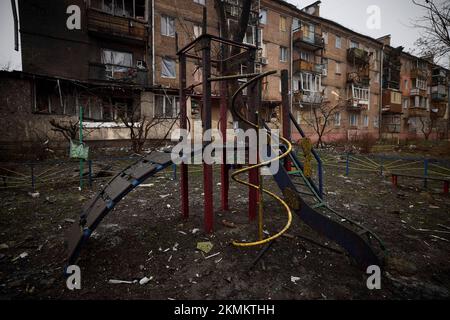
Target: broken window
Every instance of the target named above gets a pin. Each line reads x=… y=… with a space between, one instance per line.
x=166 y=107
x=168 y=68
x=118 y=64
x=123 y=8
x=337 y=119
x=167 y=26
x=53 y=97
x=283 y=54
x=310 y=82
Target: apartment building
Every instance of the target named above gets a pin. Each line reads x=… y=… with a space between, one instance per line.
x=76 y=53
x=123 y=58
x=415 y=96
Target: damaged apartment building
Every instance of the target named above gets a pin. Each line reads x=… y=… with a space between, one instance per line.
x=120 y=59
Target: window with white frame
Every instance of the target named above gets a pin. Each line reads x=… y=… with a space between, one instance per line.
x=198 y=30
x=310 y=82
x=337 y=119
x=166 y=106
x=306 y=56
x=263 y=16
x=295 y=24
x=353 y=120
x=202 y=2
x=354 y=44
x=338 y=42
x=167 y=26
x=405 y=103
x=283 y=54
x=168 y=68
x=338 y=68
x=325 y=37
x=250 y=36
x=421 y=84
x=366 y=121
x=117 y=63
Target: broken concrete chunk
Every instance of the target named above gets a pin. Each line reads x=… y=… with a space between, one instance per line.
x=145 y=280
x=205 y=247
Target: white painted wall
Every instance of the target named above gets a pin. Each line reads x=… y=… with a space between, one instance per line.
x=10 y=60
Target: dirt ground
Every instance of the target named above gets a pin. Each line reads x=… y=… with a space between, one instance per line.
x=146 y=237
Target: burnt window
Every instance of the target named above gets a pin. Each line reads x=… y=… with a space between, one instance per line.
x=122 y=8
x=53 y=97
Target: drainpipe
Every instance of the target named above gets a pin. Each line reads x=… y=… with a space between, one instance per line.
x=291 y=71
x=380 y=98
x=153 y=45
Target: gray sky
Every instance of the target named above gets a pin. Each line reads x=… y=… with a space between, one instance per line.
x=397 y=17
x=9 y=58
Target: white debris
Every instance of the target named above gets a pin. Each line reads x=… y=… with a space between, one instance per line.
x=21 y=256
x=121 y=282
x=295 y=279
x=194 y=231
x=175 y=247
x=145 y=280
x=34 y=195
x=182 y=232
x=164 y=196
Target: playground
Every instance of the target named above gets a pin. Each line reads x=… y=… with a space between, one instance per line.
x=144 y=228
x=145 y=236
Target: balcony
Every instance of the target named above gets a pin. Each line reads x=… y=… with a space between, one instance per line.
x=417 y=112
x=439 y=96
x=308 y=98
x=308 y=40
x=358 y=56
x=392 y=102
x=418 y=92
x=360 y=79
x=118 y=74
x=419 y=73
x=114 y=27
x=303 y=65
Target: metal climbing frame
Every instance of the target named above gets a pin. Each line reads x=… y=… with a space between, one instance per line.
x=246 y=56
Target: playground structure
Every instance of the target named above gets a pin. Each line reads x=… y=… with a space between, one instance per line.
x=301 y=195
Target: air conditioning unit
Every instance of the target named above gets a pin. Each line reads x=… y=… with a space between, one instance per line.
x=264 y=60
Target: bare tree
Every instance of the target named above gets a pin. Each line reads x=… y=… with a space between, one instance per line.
x=427 y=126
x=435 y=24
x=68 y=129
x=139 y=126
x=321 y=119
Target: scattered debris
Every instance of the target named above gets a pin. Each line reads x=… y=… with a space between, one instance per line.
x=147 y=185
x=439 y=238
x=164 y=196
x=34 y=195
x=69 y=220
x=21 y=256
x=195 y=231
x=295 y=279
x=4 y=246
x=229 y=224
x=212 y=256
x=182 y=232
x=205 y=247
x=145 y=280
x=121 y=282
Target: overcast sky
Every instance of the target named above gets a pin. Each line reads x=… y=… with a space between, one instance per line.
x=9 y=58
x=397 y=16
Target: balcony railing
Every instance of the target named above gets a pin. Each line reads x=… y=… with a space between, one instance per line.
x=303 y=65
x=418 y=92
x=120 y=74
x=358 y=56
x=109 y=25
x=309 y=98
x=439 y=96
x=417 y=111
x=308 y=39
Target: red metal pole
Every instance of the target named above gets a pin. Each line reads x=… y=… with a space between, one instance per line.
x=446 y=187
x=184 y=182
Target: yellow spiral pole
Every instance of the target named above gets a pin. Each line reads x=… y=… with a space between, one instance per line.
x=235 y=175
